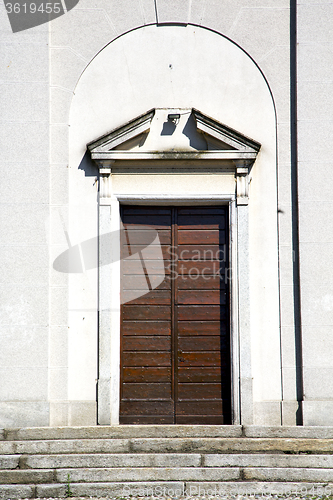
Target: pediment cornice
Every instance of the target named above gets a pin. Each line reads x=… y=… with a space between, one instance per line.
x=128 y=142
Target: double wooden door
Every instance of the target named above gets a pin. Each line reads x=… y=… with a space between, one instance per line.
x=175 y=339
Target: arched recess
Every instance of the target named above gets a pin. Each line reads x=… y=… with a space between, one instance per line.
x=173 y=67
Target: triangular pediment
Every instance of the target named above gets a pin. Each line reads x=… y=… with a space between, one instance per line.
x=218 y=133
x=173 y=134
x=131 y=132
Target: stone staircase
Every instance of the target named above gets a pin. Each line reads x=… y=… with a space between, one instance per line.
x=165 y=461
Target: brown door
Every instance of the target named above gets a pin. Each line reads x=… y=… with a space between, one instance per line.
x=175 y=339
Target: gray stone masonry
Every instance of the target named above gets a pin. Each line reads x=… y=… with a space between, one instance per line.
x=167 y=431
x=108 y=460
x=122 y=431
x=9 y=461
x=149 y=474
x=166 y=461
x=16 y=491
x=288 y=474
x=289 y=432
x=26 y=476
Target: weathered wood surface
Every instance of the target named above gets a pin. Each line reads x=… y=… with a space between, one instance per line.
x=175 y=346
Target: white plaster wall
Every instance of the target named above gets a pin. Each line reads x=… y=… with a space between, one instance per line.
x=315 y=129
x=213 y=75
x=24 y=225
x=36 y=94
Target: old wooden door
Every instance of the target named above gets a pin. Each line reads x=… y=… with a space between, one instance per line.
x=175 y=339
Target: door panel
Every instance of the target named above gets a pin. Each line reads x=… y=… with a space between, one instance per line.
x=194 y=237
x=200 y=283
x=149 y=358
x=146 y=391
x=199 y=408
x=145 y=343
x=175 y=347
x=146 y=328
x=144 y=312
x=197 y=313
x=204 y=343
x=206 y=390
x=199 y=297
x=200 y=328
x=136 y=282
x=146 y=374
x=207 y=374
x=154 y=298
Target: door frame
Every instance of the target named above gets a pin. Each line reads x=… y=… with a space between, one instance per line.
x=108 y=384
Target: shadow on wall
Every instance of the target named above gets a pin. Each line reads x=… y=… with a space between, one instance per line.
x=88 y=166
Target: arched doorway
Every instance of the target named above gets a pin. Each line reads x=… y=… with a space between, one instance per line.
x=208 y=72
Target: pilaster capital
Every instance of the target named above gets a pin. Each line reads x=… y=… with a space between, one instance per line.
x=104 y=166
x=105 y=171
x=242 y=181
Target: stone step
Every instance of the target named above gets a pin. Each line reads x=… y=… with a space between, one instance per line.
x=230 y=445
x=9 y=461
x=111 y=490
x=287 y=474
x=110 y=460
x=147 y=474
x=174 y=489
x=26 y=476
x=167 y=445
x=120 y=432
x=140 y=474
x=165 y=460
x=65 y=446
x=134 y=431
x=268 y=460
x=106 y=461
x=17 y=491
x=120 y=474
x=309 y=432
x=167 y=489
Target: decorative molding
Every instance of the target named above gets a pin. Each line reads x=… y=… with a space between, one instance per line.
x=237 y=154
x=104 y=165
x=174 y=155
x=105 y=170
x=225 y=134
x=105 y=186
x=233 y=145
x=242 y=190
x=242 y=181
x=151 y=199
x=122 y=134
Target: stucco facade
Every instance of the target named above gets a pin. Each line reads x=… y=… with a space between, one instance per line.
x=260 y=68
